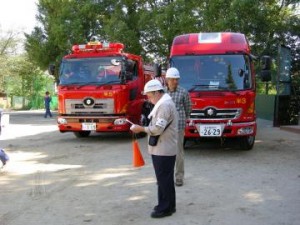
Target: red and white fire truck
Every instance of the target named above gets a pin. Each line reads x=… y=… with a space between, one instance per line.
x=100 y=86
x=217 y=69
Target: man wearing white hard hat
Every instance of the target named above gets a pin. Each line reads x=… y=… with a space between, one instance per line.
x=162 y=145
x=183 y=104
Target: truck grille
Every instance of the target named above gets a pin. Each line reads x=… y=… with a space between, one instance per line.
x=99 y=106
x=212 y=113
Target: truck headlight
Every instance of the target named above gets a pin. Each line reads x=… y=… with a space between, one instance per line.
x=121 y=121
x=61 y=121
x=245 y=130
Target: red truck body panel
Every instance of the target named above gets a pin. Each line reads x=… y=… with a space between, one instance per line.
x=100 y=86
x=217 y=70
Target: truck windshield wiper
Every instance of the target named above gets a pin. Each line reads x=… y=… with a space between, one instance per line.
x=211 y=87
x=199 y=86
x=71 y=83
x=111 y=82
x=88 y=83
x=234 y=91
x=97 y=83
x=108 y=82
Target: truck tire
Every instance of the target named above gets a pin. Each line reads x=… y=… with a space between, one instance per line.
x=246 y=143
x=82 y=134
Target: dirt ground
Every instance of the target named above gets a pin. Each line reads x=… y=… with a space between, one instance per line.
x=58 y=179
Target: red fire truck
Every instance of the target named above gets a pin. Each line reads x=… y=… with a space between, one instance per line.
x=217 y=70
x=100 y=87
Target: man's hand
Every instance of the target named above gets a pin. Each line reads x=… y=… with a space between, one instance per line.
x=137 y=128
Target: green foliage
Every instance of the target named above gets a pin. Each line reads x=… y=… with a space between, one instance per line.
x=147 y=28
x=64 y=23
x=19 y=76
x=27 y=80
x=9 y=44
x=160 y=23
x=122 y=26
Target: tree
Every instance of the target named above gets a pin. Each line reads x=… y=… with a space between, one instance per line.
x=9 y=43
x=147 y=27
x=63 y=23
x=121 y=25
x=266 y=24
x=26 y=80
x=18 y=73
x=161 y=21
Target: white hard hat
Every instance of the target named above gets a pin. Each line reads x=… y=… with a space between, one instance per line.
x=172 y=73
x=153 y=85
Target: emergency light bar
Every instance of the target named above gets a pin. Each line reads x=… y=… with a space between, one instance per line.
x=98 y=47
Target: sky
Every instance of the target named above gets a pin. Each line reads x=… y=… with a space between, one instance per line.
x=18 y=15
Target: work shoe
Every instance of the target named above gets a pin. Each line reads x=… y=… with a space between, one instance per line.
x=179 y=182
x=156 y=214
x=173 y=210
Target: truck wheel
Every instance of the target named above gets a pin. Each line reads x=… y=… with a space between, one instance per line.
x=246 y=143
x=82 y=134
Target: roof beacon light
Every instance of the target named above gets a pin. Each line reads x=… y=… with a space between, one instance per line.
x=98 y=47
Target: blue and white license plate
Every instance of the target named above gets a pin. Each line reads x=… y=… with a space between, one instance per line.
x=211 y=130
x=88 y=126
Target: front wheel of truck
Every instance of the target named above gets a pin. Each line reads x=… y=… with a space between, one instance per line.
x=82 y=134
x=246 y=143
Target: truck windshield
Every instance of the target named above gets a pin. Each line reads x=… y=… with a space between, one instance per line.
x=213 y=72
x=85 y=71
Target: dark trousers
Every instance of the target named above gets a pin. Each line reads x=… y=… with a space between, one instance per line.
x=47 y=112
x=164 y=171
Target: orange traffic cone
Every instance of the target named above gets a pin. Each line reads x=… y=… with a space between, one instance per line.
x=137 y=155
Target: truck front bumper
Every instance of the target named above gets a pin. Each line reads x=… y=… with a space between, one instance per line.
x=97 y=124
x=195 y=129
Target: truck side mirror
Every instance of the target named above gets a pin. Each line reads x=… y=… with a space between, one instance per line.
x=265 y=73
x=127 y=70
x=129 y=76
x=51 y=69
x=130 y=69
x=123 y=70
x=266 y=62
x=157 y=70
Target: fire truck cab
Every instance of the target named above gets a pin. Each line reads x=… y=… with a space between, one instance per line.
x=100 y=86
x=217 y=70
